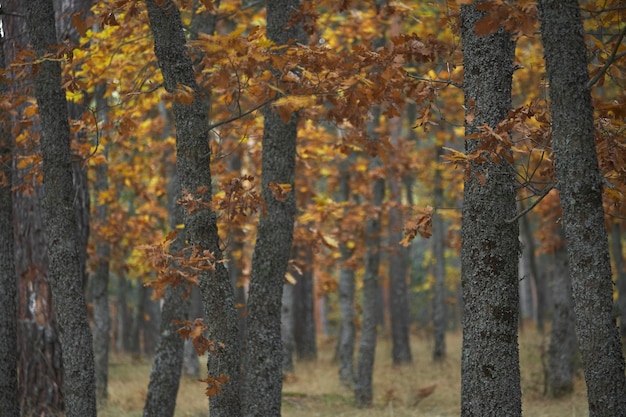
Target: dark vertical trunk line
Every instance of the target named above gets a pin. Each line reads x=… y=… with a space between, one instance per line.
x=618 y=258
x=304 y=309
x=194 y=171
x=490 y=382
x=8 y=280
x=61 y=227
x=439 y=301
x=580 y=188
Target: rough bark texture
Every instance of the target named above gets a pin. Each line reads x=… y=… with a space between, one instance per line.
x=618 y=258
x=10 y=406
x=194 y=171
x=490 y=383
x=66 y=275
x=580 y=187
x=363 y=392
x=304 y=309
x=439 y=301
x=262 y=365
x=347 y=331
x=563 y=336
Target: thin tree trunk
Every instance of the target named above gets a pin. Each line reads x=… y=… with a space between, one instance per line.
x=347 y=333
x=529 y=254
x=304 y=309
x=262 y=364
x=618 y=258
x=287 y=326
x=8 y=279
x=563 y=335
x=63 y=239
x=439 y=301
x=363 y=391
x=580 y=187
x=490 y=381
x=194 y=170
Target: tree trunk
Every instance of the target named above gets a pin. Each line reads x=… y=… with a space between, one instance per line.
x=563 y=336
x=262 y=364
x=8 y=279
x=618 y=258
x=528 y=254
x=363 y=392
x=304 y=309
x=439 y=301
x=347 y=331
x=191 y=361
x=194 y=171
x=580 y=187
x=398 y=302
x=490 y=381
x=62 y=231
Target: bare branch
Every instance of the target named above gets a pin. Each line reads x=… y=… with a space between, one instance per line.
x=544 y=193
x=614 y=57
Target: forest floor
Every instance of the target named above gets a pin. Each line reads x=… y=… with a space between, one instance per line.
x=314 y=389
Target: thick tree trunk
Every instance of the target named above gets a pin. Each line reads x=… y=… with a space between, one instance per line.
x=563 y=335
x=194 y=171
x=262 y=364
x=618 y=258
x=580 y=187
x=304 y=309
x=62 y=231
x=347 y=331
x=490 y=382
x=363 y=391
x=439 y=300
x=8 y=279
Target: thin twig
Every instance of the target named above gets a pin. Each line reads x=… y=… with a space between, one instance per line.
x=430 y=80
x=614 y=57
x=240 y=115
x=532 y=206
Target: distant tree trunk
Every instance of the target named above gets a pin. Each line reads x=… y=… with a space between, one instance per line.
x=191 y=361
x=439 y=301
x=8 y=279
x=363 y=392
x=62 y=231
x=347 y=331
x=490 y=381
x=139 y=314
x=194 y=171
x=262 y=364
x=304 y=309
x=563 y=335
x=618 y=258
x=287 y=321
x=100 y=282
x=580 y=187
x=124 y=317
x=151 y=324
x=530 y=259
x=168 y=361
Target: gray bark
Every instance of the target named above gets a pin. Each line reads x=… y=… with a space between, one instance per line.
x=618 y=258
x=363 y=391
x=304 y=309
x=347 y=331
x=563 y=335
x=8 y=279
x=124 y=316
x=193 y=167
x=262 y=364
x=61 y=227
x=490 y=382
x=531 y=261
x=194 y=171
x=439 y=301
x=580 y=187
x=191 y=361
